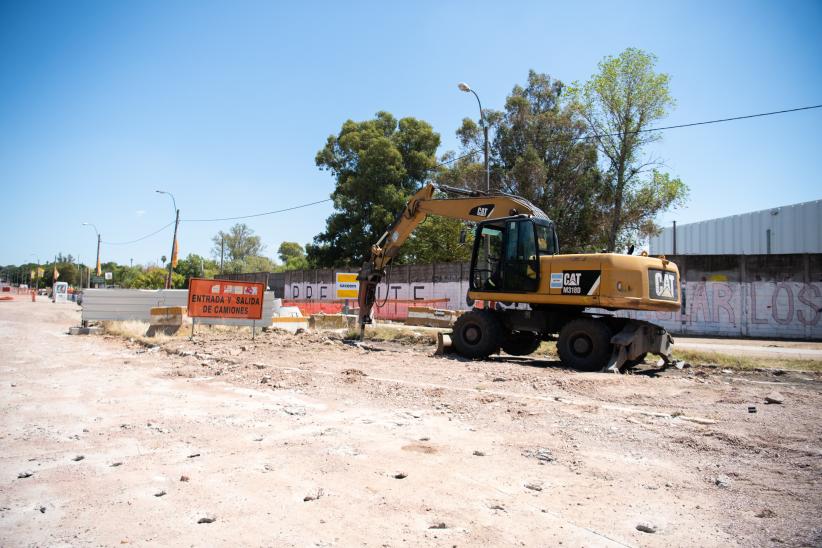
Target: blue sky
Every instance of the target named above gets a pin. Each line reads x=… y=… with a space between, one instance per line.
x=225 y=104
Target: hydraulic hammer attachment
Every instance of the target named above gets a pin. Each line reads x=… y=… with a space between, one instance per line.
x=369 y=278
x=635 y=340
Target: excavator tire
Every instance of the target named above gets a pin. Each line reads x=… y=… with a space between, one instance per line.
x=521 y=343
x=585 y=343
x=477 y=334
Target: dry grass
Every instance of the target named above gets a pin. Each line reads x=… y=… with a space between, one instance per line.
x=745 y=362
x=395 y=334
x=137 y=330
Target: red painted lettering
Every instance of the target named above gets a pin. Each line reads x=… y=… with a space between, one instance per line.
x=774 y=304
x=812 y=306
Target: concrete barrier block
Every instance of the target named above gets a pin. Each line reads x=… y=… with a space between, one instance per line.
x=431 y=317
x=85 y=330
x=289 y=323
x=332 y=321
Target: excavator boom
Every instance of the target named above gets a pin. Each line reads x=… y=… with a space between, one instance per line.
x=471 y=206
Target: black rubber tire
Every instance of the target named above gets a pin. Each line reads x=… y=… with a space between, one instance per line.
x=585 y=343
x=521 y=343
x=477 y=334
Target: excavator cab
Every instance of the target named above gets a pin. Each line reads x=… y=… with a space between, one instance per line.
x=507 y=251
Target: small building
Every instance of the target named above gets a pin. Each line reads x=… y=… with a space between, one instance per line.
x=755 y=274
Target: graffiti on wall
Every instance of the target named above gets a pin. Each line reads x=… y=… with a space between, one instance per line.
x=756 y=309
x=764 y=309
x=453 y=291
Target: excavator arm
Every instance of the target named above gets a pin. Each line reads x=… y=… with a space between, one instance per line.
x=471 y=206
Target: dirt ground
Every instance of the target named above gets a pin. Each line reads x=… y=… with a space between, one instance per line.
x=309 y=440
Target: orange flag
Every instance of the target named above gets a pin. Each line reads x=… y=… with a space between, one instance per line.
x=56 y=273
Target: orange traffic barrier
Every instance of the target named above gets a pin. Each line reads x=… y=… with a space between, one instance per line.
x=396 y=309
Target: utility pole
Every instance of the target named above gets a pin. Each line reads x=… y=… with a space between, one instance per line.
x=222 y=250
x=98 y=256
x=174 y=240
x=173 y=246
x=98 y=253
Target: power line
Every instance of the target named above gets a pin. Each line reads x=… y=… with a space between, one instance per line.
x=648 y=130
x=692 y=124
x=473 y=151
x=141 y=238
x=256 y=214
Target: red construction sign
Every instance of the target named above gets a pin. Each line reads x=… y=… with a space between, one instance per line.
x=225 y=299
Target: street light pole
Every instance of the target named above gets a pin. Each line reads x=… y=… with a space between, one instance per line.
x=467 y=89
x=174 y=239
x=98 y=252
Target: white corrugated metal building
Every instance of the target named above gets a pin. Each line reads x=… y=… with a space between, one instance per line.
x=780 y=230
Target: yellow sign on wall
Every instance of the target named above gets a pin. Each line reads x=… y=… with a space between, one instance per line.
x=347 y=286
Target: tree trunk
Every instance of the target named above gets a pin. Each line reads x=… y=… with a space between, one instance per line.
x=616 y=214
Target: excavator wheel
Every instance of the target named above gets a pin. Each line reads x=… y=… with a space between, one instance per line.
x=521 y=343
x=477 y=334
x=585 y=343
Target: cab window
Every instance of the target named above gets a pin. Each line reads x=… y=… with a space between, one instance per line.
x=545 y=240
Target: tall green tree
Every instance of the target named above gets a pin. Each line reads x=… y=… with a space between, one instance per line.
x=195 y=266
x=438 y=240
x=258 y=263
x=155 y=278
x=378 y=164
x=240 y=243
x=539 y=151
x=292 y=255
x=620 y=103
x=68 y=272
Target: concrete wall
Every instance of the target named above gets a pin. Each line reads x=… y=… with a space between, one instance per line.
x=789 y=310
x=405 y=282
x=136 y=304
x=272 y=280
x=771 y=296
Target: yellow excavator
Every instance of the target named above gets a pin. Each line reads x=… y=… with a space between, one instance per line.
x=535 y=293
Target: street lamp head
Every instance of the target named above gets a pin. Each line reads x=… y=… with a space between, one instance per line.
x=86 y=224
x=464 y=87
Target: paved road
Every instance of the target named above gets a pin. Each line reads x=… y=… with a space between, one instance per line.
x=756 y=348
